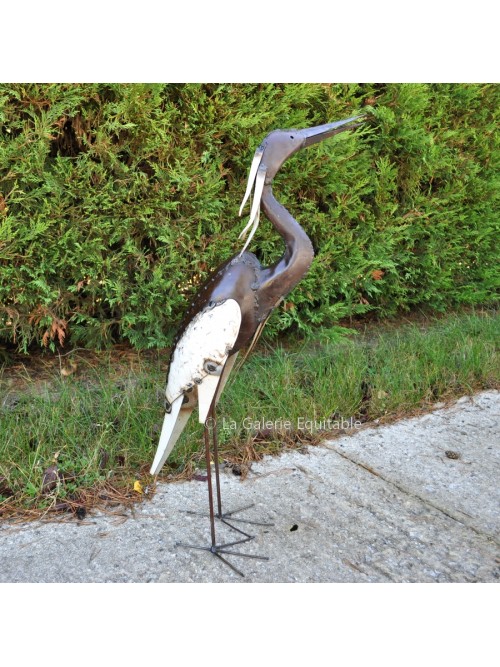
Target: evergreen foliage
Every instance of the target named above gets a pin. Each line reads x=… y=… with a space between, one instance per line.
x=117 y=200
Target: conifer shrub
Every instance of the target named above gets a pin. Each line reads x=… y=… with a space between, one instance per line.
x=117 y=200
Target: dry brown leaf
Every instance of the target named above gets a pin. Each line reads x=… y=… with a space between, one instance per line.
x=50 y=479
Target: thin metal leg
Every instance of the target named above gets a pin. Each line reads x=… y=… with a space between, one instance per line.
x=214 y=548
x=224 y=516
x=209 y=483
x=216 y=460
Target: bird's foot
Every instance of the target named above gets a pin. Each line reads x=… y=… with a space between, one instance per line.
x=219 y=549
x=224 y=516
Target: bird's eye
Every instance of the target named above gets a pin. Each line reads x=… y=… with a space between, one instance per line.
x=291 y=136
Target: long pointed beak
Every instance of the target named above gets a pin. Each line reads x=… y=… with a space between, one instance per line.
x=313 y=135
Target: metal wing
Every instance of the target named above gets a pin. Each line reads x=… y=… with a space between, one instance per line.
x=198 y=360
x=203 y=347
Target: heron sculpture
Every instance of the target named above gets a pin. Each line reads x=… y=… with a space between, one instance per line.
x=229 y=313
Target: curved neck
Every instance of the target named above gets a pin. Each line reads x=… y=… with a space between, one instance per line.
x=280 y=278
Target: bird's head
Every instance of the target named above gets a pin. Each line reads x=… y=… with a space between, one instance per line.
x=280 y=145
x=276 y=148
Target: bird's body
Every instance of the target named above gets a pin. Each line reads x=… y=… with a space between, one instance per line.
x=228 y=313
x=234 y=303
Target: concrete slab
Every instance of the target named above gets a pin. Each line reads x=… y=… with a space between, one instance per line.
x=386 y=504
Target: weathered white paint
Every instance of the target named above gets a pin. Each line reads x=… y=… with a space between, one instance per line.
x=173 y=425
x=255 y=212
x=206 y=393
x=209 y=337
x=251 y=176
x=228 y=367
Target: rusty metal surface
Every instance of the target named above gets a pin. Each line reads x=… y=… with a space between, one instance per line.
x=257 y=289
x=204 y=342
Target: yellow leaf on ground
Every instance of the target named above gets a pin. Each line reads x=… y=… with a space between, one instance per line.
x=137 y=486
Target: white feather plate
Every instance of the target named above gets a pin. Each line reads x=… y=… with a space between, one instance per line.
x=208 y=339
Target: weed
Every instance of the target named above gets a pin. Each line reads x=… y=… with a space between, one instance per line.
x=71 y=442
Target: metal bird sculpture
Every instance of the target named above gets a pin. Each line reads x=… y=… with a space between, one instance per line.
x=230 y=311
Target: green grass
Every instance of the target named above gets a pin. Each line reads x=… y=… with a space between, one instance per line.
x=100 y=426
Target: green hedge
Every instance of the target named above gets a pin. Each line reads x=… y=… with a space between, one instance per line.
x=116 y=200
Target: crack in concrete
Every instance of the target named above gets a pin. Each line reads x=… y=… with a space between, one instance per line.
x=408 y=492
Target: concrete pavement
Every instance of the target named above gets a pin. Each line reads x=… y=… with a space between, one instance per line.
x=413 y=501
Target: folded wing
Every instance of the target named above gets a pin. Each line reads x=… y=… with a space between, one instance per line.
x=197 y=363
